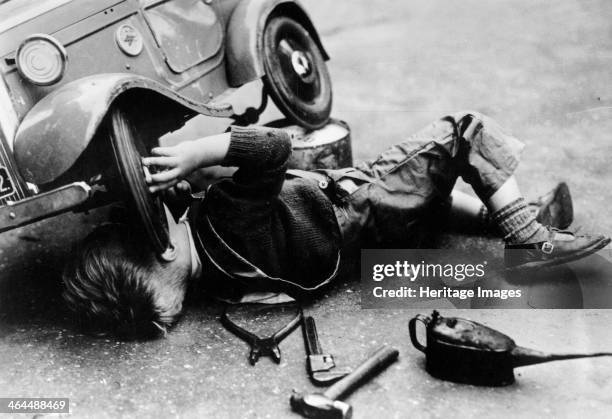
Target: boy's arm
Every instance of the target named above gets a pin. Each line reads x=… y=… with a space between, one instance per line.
x=260 y=154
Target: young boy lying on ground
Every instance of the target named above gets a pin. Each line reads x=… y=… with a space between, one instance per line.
x=267 y=228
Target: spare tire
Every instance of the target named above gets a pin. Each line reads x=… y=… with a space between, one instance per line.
x=296 y=74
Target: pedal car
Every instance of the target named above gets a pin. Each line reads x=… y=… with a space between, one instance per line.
x=88 y=87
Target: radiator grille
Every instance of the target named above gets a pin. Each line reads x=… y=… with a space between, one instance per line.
x=12 y=188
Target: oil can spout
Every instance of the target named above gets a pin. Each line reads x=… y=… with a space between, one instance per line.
x=525 y=356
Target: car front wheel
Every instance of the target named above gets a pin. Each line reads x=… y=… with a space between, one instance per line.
x=128 y=148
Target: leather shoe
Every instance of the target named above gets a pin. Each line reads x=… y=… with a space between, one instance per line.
x=561 y=247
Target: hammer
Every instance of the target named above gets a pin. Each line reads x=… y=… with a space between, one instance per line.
x=328 y=405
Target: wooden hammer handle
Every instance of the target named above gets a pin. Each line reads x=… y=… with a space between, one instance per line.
x=380 y=360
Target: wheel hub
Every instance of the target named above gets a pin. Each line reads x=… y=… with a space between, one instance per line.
x=301 y=65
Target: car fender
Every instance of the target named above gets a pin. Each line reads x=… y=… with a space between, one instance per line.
x=55 y=132
x=244 y=36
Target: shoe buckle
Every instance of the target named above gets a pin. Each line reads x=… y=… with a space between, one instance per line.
x=548 y=247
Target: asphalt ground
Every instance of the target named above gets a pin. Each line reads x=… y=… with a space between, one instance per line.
x=542 y=69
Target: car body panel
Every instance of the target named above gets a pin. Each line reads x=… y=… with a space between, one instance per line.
x=97 y=32
x=60 y=126
x=21 y=18
x=176 y=26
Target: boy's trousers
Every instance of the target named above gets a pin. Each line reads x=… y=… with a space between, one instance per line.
x=396 y=199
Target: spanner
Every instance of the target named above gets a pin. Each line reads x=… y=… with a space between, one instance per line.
x=321 y=366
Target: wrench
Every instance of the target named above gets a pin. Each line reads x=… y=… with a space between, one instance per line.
x=321 y=366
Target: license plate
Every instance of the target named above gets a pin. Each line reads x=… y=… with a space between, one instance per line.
x=6 y=184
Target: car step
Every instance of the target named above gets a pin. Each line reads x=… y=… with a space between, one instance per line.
x=44 y=205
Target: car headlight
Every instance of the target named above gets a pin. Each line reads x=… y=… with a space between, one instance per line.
x=41 y=59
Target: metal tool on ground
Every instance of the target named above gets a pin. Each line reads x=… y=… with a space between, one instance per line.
x=328 y=405
x=267 y=346
x=464 y=351
x=321 y=366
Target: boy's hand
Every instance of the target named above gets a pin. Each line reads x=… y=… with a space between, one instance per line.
x=173 y=164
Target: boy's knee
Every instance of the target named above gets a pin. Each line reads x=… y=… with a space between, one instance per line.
x=474 y=126
x=469 y=114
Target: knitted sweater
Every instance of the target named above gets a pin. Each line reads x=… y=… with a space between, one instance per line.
x=285 y=227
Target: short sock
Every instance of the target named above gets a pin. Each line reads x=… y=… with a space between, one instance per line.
x=517 y=223
x=485 y=219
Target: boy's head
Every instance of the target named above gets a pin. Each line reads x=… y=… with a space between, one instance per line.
x=115 y=283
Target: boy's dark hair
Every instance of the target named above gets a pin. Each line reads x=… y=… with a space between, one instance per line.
x=108 y=284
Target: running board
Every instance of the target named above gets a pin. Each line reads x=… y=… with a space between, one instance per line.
x=44 y=205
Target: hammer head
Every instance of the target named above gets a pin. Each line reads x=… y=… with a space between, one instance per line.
x=317 y=405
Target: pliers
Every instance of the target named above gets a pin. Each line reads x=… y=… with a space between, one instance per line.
x=267 y=346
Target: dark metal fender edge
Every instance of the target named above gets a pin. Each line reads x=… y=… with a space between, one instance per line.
x=59 y=127
x=244 y=36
